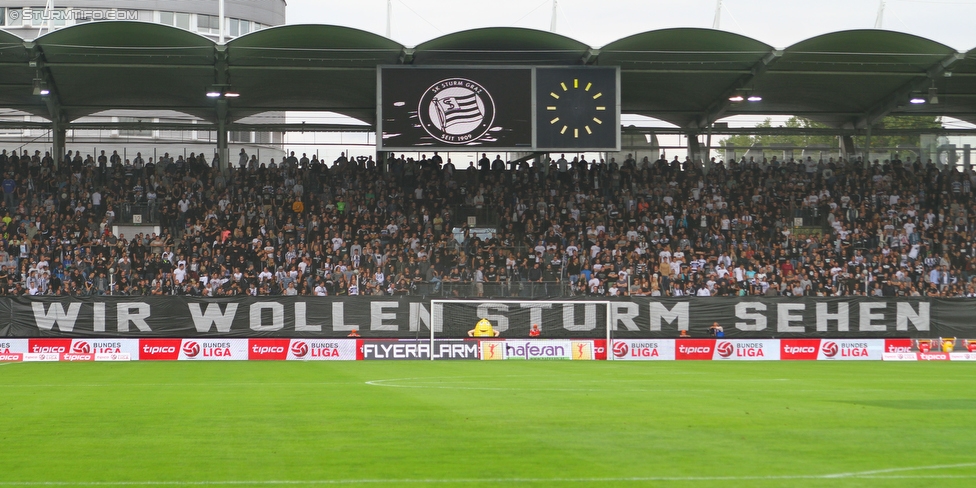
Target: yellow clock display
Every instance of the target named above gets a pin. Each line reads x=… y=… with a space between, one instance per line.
x=576 y=108
x=578 y=100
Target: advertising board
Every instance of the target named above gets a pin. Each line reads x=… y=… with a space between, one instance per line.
x=642 y=350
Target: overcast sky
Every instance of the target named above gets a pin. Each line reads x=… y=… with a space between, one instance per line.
x=776 y=22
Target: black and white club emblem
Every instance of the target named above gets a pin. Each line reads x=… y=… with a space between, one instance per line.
x=456 y=111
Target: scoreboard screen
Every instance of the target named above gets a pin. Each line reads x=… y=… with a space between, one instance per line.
x=509 y=108
x=460 y=108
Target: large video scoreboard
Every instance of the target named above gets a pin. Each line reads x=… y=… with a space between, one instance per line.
x=504 y=108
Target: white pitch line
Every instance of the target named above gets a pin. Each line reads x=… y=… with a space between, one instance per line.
x=920 y=477
x=424 y=386
x=430 y=383
x=209 y=385
x=899 y=470
x=873 y=474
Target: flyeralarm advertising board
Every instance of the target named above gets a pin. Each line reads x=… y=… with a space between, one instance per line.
x=642 y=350
x=386 y=350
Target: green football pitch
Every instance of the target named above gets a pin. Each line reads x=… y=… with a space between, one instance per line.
x=446 y=423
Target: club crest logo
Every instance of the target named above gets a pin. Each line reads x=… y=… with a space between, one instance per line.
x=456 y=111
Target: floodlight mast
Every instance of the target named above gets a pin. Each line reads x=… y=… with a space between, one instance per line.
x=48 y=11
x=552 y=21
x=717 y=21
x=220 y=17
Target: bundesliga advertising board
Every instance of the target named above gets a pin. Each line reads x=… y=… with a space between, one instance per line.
x=642 y=350
x=776 y=350
x=746 y=350
x=64 y=349
x=248 y=350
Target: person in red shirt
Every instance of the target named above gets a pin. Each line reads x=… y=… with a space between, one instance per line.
x=535 y=332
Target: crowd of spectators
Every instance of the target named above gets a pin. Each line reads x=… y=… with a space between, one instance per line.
x=569 y=227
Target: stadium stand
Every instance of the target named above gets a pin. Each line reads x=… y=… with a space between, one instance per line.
x=571 y=228
x=661 y=228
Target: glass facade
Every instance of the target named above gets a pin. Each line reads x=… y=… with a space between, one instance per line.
x=12 y=19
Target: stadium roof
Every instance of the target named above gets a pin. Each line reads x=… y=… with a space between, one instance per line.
x=684 y=76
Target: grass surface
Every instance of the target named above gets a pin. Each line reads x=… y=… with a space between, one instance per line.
x=500 y=423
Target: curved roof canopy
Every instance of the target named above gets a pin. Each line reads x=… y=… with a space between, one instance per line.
x=679 y=75
x=309 y=67
x=16 y=89
x=853 y=75
x=500 y=45
x=132 y=65
x=685 y=76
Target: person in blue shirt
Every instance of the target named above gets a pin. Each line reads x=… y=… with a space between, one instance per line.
x=716 y=330
x=9 y=186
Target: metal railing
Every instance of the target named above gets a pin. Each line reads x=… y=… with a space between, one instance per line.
x=145 y=213
x=485 y=216
x=508 y=289
x=815 y=216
